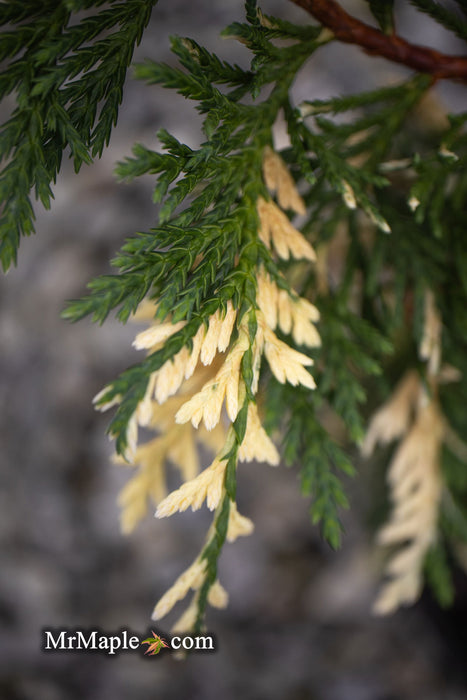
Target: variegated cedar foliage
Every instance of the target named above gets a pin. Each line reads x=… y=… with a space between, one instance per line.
x=297 y=279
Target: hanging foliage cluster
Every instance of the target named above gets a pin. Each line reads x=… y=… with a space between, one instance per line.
x=247 y=310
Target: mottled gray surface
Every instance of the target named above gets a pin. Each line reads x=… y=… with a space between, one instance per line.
x=298 y=625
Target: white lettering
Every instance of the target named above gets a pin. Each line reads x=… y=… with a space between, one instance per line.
x=188 y=642
x=175 y=643
x=95 y=640
x=204 y=643
x=89 y=643
x=51 y=643
x=115 y=643
x=134 y=642
x=103 y=643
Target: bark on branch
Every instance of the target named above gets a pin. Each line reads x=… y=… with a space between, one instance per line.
x=352 y=31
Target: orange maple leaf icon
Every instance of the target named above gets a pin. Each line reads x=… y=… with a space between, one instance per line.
x=155 y=644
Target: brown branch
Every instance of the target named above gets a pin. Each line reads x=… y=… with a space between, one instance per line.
x=352 y=31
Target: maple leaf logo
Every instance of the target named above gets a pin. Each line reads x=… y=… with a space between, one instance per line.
x=155 y=644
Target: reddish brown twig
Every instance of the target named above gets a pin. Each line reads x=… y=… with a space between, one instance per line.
x=352 y=31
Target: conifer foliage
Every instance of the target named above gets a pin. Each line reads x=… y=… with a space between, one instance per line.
x=67 y=80
x=297 y=279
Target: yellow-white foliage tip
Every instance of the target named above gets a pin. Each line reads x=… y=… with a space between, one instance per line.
x=131 y=438
x=144 y=409
x=290 y=314
x=430 y=346
x=207 y=486
x=257 y=445
x=218 y=334
x=207 y=404
x=276 y=230
x=171 y=375
x=195 y=351
x=218 y=596
x=348 y=195
x=278 y=180
x=186 y=622
x=148 y=482
x=226 y=327
x=156 y=334
x=416 y=486
x=209 y=346
x=109 y=404
x=304 y=316
x=267 y=296
x=191 y=578
x=239 y=525
x=284 y=308
x=392 y=420
x=287 y=364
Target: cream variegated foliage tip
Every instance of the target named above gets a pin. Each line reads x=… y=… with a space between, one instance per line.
x=191 y=578
x=238 y=525
x=276 y=231
x=206 y=343
x=430 y=346
x=207 y=486
x=286 y=364
x=416 y=487
x=392 y=420
x=217 y=597
x=206 y=404
x=413 y=416
x=201 y=389
x=149 y=482
x=257 y=445
x=153 y=337
x=187 y=620
x=348 y=195
x=177 y=445
x=278 y=180
x=292 y=314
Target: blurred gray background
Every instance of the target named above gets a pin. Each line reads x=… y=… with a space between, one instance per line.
x=299 y=623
